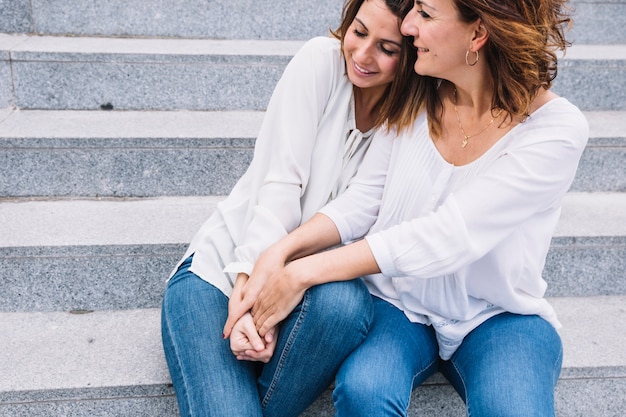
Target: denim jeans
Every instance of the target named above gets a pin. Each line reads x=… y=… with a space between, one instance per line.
x=508 y=366
x=327 y=325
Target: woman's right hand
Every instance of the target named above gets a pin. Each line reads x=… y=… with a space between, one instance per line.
x=246 y=291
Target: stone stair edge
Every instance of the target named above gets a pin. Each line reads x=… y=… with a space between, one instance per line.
x=173 y=220
x=27 y=123
x=101 y=349
x=92 y=124
x=25 y=46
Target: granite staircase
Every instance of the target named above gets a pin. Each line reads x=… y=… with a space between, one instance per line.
x=123 y=123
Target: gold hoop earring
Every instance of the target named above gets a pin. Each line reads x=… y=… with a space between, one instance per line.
x=467 y=58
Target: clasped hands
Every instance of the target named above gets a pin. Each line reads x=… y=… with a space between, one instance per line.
x=258 y=304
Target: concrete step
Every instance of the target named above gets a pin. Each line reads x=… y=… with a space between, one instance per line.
x=169 y=74
x=110 y=363
x=124 y=154
x=281 y=19
x=47 y=153
x=596 y=21
x=74 y=254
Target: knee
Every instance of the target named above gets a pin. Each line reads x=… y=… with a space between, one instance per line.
x=188 y=294
x=367 y=394
x=347 y=302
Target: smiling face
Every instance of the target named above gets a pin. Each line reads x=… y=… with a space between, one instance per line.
x=441 y=38
x=372 y=46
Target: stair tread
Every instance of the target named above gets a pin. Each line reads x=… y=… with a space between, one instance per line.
x=64 y=350
x=23 y=43
x=166 y=220
x=16 y=123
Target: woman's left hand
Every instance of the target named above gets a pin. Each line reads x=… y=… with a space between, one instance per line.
x=247 y=345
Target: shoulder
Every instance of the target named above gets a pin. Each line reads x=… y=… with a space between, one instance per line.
x=320 y=62
x=559 y=119
x=321 y=46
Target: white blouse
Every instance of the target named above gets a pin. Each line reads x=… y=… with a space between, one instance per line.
x=457 y=245
x=307 y=150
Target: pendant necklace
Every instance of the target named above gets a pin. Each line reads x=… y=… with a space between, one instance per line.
x=466 y=137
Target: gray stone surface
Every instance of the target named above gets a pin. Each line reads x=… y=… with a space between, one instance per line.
x=218 y=19
x=124 y=168
x=111 y=254
x=142 y=153
x=111 y=361
x=125 y=86
x=86 y=277
x=6 y=85
x=586 y=266
x=150 y=406
x=598 y=22
x=124 y=153
x=15 y=16
x=50 y=124
x=80 y=73
x=61 y=73
x=602 y=166
x=594 y=21
x=133 y=276
x=593 y=77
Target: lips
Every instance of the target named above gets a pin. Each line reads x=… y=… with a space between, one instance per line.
x=362 y=70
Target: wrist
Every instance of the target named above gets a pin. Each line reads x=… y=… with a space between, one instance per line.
x=301 y=274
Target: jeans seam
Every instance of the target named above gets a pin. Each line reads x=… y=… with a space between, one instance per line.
x=288 y=344
x=178 y=364
x=462 y=378
x=406 y=412
x=556 y=370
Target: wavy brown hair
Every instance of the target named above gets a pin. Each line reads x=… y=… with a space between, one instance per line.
x=403 y=97
x=521 y=51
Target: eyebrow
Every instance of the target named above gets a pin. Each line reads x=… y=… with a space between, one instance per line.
x=382 y=40
x=421 y=3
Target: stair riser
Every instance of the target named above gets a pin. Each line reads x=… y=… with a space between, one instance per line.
x=123 y=86
x=593 y=84
x=139 y=168
x=573 y=397
x=594 y=22
x=171 y=167
x=62 y=82
x=181 y=18
x=129 y=277
x=6 y=89
x=598 y=22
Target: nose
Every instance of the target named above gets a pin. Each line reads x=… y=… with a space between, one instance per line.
x=365 y=52
x=408 y=26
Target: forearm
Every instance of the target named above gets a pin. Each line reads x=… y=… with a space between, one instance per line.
x=281 y=294
x=339 y=264
x=317 y=234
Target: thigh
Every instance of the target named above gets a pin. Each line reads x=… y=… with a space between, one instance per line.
x=207 y=378
x=330 y=321
x=507 y=366
x=379 y=376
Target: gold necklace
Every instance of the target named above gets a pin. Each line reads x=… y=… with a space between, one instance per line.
x=466 y=137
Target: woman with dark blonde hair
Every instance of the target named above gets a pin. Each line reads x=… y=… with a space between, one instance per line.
x=333 y=96
x=458 y=214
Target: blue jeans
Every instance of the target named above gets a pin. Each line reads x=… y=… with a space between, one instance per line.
x=327 y=325
x=508 y=366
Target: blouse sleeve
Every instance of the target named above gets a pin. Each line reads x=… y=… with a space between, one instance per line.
x=356 y=210
x=285 y=143
x=531 y=176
